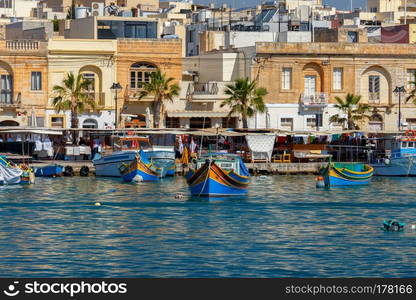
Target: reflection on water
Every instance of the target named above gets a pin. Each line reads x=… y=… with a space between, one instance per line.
x=285 y=227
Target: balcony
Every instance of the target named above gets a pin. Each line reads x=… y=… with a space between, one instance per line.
x=133 y=95
x=204 y=92
x=318 y=100
x=99 y=99
x=373 y=98
x=7 y=101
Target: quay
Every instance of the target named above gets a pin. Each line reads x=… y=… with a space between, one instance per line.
x=254 y=168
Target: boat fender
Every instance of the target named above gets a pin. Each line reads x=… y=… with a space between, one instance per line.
x=387 y=161
x=137 y=179
x=84 y=171
x=320 y=183
x=32 y=177
x=69 y=171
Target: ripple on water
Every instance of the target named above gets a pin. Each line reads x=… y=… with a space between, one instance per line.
x=284 y=227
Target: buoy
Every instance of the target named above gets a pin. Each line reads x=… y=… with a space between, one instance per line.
x=320 y=183
x=413 y=226
x=97 y=204
x=179 y=196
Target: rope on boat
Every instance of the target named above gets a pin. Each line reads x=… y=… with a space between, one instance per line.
x=206 y=178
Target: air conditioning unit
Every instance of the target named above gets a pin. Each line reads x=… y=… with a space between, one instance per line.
x=97 y=9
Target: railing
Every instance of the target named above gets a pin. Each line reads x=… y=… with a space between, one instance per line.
x=318 y=99
x=6 y=99
x=99 y=99
x=22 y=45
x=209 y=88
x=374 y=98
x=131 y=94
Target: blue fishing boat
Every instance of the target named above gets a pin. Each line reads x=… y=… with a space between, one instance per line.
x=163 y=158
x=343 y=174
x=395 y=155
x=219 y=174
x=50 y=171
x=11 y=173
x=141 y=169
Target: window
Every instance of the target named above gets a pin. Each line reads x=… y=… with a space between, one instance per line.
x=411 y=78
x=228 y=122
x=36 y=81
x=311 y=122
x=287 y=78
x=139 y=74
x=6 y=3
x=90 y=123
x=352 y=37
x=57 y=122
x=172 y=123
x=374 y=87
x=6 y=88
x=373 y=9
x=91 y=78
x=337 y=84
x=286 y=123
x=411 y=123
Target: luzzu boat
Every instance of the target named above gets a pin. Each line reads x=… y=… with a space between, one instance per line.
x=141 y=169
x=342 y=174
x=163 y=157
x=219 y=174
x=15 y=174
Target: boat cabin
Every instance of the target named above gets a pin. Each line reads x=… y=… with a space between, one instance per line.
x=132 y=143
x=228 y=162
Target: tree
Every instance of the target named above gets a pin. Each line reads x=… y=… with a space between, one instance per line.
x=352 y=111
x=245 y=99
x=412 y=93
x=162 y=88
x=73 y=95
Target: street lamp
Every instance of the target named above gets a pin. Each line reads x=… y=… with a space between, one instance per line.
x=116 y=87
x=398 y=92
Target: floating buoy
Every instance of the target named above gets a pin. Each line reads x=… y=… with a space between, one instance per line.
x=179 y=196
x=320 y=183
x=413 y=226
x=97 y=204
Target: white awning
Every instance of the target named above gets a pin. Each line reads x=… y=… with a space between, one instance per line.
x=197 y=114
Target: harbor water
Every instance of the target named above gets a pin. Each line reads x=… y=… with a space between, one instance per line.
x=284 y=227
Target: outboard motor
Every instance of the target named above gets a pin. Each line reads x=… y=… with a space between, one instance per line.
x=69 y=171
x=392 y=225
x=84 y=171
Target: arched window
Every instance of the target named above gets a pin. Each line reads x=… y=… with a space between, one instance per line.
x=140 y=73
x=6 y=84
x=8 y=123
x=90 y=123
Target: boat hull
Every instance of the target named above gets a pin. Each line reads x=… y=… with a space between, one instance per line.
x=334 y=176
x=138 y=171
x=108 y=166
x=49 y=171
x=212 y=181
x=401 y=166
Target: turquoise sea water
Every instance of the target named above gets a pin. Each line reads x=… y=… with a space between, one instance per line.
x=285 y=227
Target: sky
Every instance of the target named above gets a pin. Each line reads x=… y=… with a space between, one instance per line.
x=340 y=4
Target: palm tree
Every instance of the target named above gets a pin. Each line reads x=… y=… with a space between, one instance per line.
x=352 y=111
x=73 y=96
x=245 y=99
x=162 y=88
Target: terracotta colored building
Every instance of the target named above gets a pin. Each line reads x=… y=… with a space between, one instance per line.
x=23 y=82
x=304 y=79
x=135 y=59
